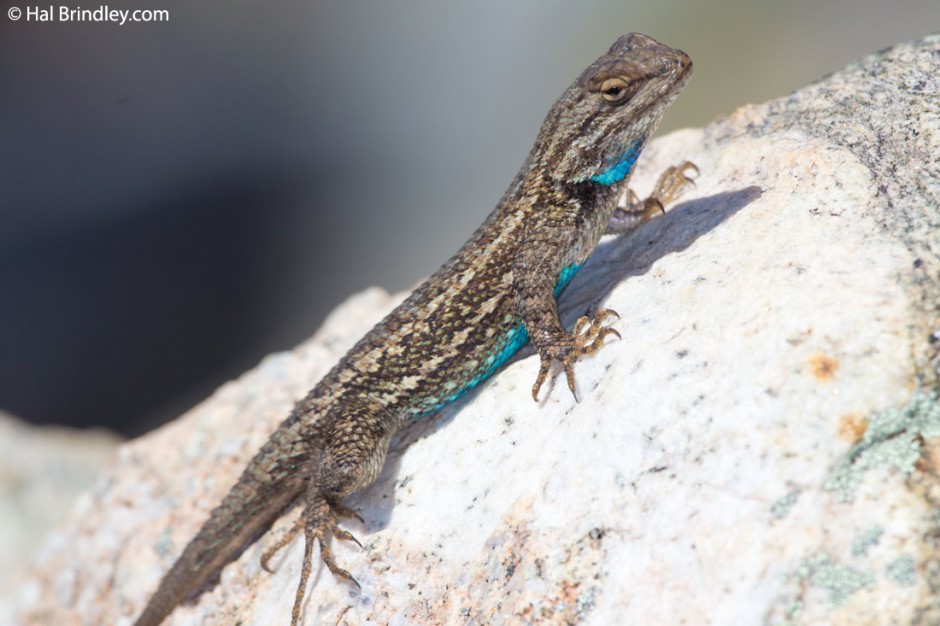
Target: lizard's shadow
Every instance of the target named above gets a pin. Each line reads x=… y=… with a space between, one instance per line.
x=618 y=258
x=614 y=260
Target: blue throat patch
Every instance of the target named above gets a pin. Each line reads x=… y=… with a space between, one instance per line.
x=509 y=344
x=619 y=170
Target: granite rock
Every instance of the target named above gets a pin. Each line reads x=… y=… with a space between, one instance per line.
x=760 y=448
x=43 y=469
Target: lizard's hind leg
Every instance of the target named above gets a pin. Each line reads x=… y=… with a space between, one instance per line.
x=353 y=442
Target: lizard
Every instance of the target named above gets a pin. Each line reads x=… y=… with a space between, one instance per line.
x=455 y=330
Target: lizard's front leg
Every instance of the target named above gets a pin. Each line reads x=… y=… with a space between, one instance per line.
x=537 y=273
x=348 y=453
x=672 y=183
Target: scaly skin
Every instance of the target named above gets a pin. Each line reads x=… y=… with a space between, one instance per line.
x=465 y=321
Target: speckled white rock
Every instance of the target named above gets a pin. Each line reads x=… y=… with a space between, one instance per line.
x=739 y=458
x=43 y=469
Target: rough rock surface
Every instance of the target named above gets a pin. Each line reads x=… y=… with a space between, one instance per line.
x=43 y=469
x=761 y=448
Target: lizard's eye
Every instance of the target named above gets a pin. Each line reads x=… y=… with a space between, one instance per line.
x=616 y=90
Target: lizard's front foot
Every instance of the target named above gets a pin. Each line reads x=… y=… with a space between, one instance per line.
x=672 y=183
x=586 y=339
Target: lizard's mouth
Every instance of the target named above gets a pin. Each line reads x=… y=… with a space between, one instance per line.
x=672 y=81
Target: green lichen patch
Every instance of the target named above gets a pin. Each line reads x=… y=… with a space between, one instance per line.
x=902 y=571
x=893 y=438
x=866 y=540
x=840 y=580
x=781 y=507
x=792 y=613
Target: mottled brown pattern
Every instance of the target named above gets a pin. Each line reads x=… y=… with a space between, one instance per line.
x=447 y=335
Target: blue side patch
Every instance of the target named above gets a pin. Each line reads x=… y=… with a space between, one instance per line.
x=619 y=170
x=510 y=343
x=564 y=277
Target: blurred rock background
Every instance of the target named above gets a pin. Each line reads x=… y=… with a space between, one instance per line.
x=42 y=469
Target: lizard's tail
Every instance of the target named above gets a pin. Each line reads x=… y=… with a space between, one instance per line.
x=270 y=483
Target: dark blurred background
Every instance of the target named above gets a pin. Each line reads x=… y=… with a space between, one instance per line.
x=179 y=199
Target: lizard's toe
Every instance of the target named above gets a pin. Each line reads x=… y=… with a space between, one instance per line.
x=673 y=183
x=586 y=339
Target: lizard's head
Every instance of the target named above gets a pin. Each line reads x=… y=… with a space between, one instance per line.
x=597 y=128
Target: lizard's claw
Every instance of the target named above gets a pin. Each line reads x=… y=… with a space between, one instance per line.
x=672 y=183
x=344 y=511
x=586 y=339
x=345 y=535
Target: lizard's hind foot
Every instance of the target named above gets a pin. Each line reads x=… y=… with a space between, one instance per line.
x=319 y=525
x=339 y=511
